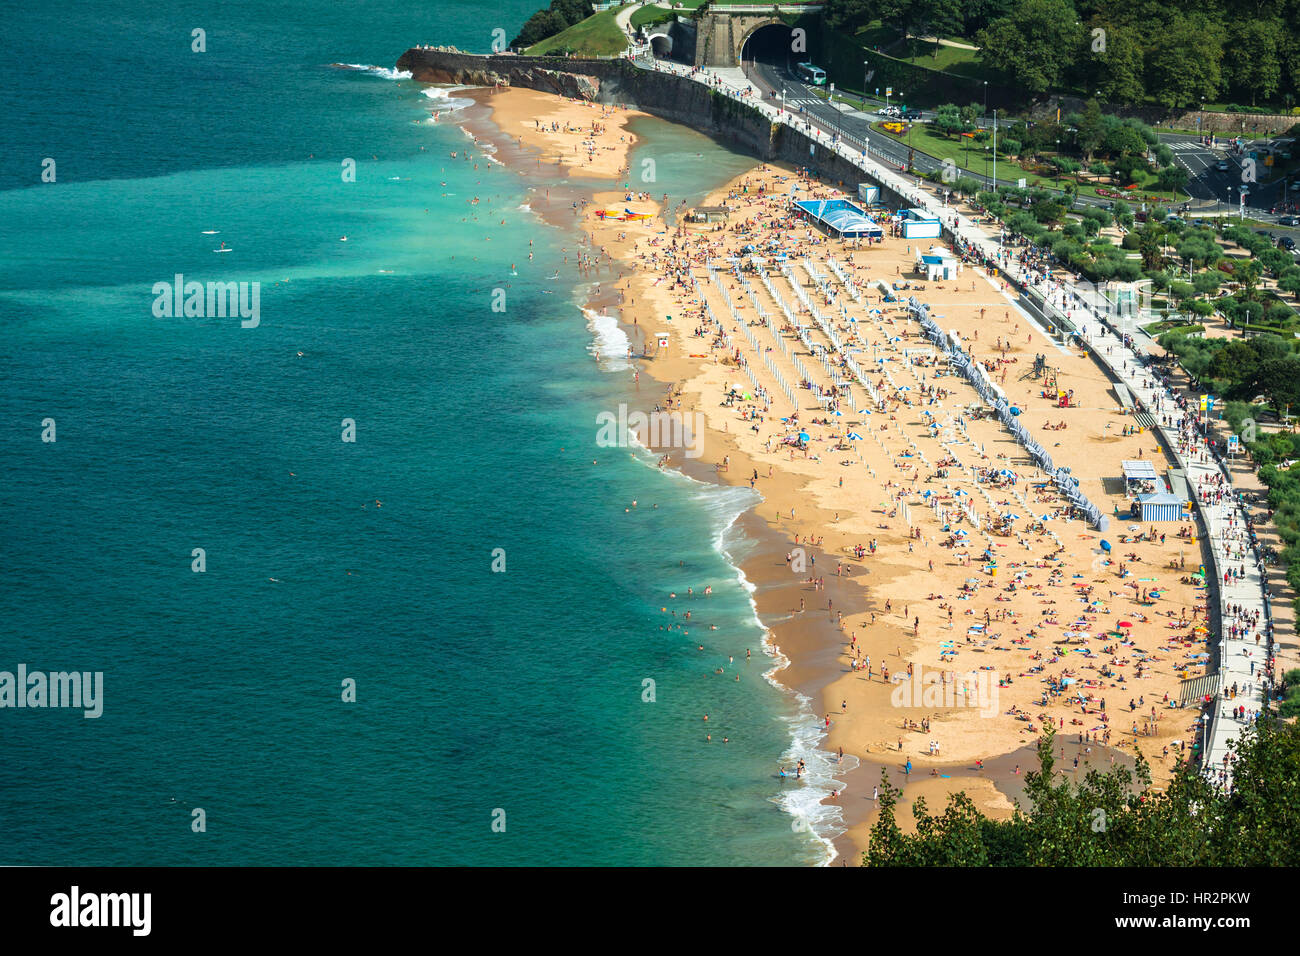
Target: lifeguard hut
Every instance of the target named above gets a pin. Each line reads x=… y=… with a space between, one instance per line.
x=937 y=263
x=920 y=224
x=1160 y=506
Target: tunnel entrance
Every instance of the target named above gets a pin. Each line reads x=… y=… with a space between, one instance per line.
x=771 y=44
x=661 y=46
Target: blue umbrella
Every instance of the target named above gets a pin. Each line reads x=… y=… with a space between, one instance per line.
x=1105 y=545
x=804 y=436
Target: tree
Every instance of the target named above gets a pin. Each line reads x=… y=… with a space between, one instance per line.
x=1253 y=57
x=1190 y=823
x=1034 y=45
x=1090 y=129
x=1290 y=281
x=560 y=15
x=1275 y=260
x=847 y=16
x=1279 y=380
x=1115 y=72
x=1122 y=212
x=1171 y=178
x=947 y=119
x=1183 y=61
x=920 y=18
x=1248 y=273
x=1149 y=237
x=1206 y=283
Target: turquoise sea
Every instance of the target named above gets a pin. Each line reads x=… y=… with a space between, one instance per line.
x=479 y=695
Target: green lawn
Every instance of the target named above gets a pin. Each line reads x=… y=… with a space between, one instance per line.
x=925 y=140
x=651 y=14
x=598 y=35
x=876 y=34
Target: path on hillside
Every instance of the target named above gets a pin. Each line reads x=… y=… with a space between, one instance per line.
x=941 y=42
x=624 y=18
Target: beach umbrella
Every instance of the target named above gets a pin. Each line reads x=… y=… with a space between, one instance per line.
x=804 y=436
x=1125 y=623
x=856 y=437
x=1105 y=545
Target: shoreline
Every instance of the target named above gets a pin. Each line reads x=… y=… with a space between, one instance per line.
x=787 y=672
x=818 y=672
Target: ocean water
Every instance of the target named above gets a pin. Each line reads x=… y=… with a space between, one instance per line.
x=481 y=697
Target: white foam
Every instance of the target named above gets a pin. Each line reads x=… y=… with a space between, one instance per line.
x=611 y=342
x=443 y=100
x=801 y=799
x=387 y=72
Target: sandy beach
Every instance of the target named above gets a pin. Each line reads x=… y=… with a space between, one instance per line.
x=935 y=597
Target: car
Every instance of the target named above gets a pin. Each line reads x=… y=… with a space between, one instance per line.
x=884 y=111
x=1221 y=165
x=1287 y=243
x=1289 y=221
x=1174 y=220
x=911 y=115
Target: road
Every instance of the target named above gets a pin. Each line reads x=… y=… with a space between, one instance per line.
x=1208 y=186
x=854 y=128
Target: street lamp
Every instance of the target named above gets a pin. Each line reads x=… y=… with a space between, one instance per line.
x=986 y=97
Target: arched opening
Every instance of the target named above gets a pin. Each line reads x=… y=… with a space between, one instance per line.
x=662 y=45
x=771 y=45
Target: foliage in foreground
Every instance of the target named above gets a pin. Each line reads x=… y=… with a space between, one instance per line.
x=1105 y=820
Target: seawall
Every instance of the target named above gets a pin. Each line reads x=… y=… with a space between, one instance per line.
x=666 y=95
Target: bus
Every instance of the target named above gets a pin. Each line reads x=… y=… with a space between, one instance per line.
x=811 y=74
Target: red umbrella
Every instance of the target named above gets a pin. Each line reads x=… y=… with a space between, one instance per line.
x=1125 y=624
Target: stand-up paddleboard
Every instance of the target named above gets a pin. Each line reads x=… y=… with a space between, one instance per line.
x=211 y=232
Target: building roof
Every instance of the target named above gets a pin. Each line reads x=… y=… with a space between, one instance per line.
x=1136 y=469
x=1161 y=498
x=842 y=217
